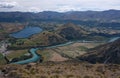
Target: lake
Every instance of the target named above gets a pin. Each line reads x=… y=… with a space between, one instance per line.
x=26 y=32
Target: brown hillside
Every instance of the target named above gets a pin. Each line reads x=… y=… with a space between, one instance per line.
x=71 y=31
x=45 y=39
x=70 y=69
x=108 y=53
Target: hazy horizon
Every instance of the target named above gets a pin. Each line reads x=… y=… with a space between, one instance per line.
x=58 y=5
x=62 y=12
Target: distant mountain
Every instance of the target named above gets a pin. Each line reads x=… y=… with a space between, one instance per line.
x=102 y=16
x=108 y=53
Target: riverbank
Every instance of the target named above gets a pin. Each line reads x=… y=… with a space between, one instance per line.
x=35 y=57
x=66 y=49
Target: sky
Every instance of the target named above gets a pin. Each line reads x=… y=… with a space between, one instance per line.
x=58 y=5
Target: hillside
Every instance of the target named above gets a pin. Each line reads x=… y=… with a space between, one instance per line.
x=108 y=18
x=47 y=38
x=7 y=28
x=59 y=35
x=68 y=69
x=108 y=53
x=70 y=31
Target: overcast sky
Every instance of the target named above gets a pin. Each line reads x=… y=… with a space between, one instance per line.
x=58 y=5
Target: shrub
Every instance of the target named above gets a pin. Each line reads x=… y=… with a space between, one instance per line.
x=69 y=76
x=88 y=77
x=55 y=76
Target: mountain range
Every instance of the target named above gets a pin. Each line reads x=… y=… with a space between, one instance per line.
x=76 y=16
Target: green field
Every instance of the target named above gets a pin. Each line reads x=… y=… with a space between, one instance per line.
x=16 y=53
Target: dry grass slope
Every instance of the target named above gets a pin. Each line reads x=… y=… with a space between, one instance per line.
x=66 y=69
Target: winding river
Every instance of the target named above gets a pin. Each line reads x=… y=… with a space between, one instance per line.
x=27 y=32
x=113 y=39
x=35 y=57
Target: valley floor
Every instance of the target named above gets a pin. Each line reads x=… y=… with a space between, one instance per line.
x=59 y=53
x=64 y=53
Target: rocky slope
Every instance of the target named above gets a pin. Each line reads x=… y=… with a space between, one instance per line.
x=108 y=53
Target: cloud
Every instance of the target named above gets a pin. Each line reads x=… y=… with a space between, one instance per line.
x=7 y=4
x=34 y=9
x=67 y=8
x=58 y=5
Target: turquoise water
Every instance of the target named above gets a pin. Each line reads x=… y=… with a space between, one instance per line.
x=26 y=32
x=35 y=57
x=113 y=39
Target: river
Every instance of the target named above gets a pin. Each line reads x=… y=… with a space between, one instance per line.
x=35 y=56
x=113 y=39
x=28 y=31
